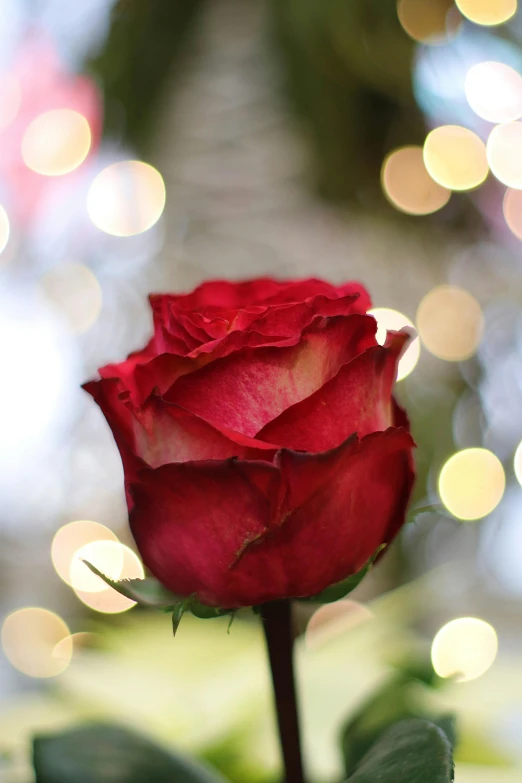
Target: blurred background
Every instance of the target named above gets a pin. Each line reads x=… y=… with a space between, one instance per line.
x=148 y=146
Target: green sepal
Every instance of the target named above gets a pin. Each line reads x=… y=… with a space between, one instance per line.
x=412 y=751
x=104 y=753
x=146 y=592
x=178 y=612
x=434 y=508
x=151 y=593
x=342 y=589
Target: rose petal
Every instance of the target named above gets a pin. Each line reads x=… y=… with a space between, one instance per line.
x=246 y=390
x=241 y=533
x=165 y=433
x=226 y=295
x=158 y=433
x=340 y=506
x=357 y=400
x=192 y=520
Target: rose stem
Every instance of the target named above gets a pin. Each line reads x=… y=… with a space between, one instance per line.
x=277 y=623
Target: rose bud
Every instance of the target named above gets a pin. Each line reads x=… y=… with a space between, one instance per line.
x=264 y=454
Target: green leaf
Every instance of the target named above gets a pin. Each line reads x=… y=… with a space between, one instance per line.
x=104 y=753
x=402 y=697
x=412 y=751
x=342 y=589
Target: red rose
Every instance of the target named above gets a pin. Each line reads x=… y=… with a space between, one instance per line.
x=264 y=454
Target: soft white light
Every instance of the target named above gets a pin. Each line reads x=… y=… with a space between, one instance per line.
x=126 y=198
x=464 y=649
x=392 y=320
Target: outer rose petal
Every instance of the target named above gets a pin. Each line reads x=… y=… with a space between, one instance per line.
x=159 y=433
x=358 y=400
x=248 y=389
x=242 y=533
x=165 y=433
x=191 y=521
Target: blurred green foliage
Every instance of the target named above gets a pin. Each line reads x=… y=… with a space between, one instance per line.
x=138 y=61
x=348 y=74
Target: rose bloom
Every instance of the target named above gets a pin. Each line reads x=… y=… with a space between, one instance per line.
x=264 y=454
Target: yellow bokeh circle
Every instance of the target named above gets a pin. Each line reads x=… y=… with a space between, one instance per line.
x=126 y=198
x=407 y=184
x=504 y=151
x=472 y=483
x=75 y=293
x=56 y=142
x=450 y=323
x=69 y=541
x=455 y=157
x=29 y=639
x=487 y=12
x=464 y=649
x=429 y=21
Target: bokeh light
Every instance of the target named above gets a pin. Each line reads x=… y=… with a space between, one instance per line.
x=494 y=91
x=464 y=649
x=455 y=157
x=429 y=21
x=5 y=229
x=407 y=184
x=393 y=320
x=450 y=323
x=126 y=198
x=29 y=640
x=75 y=293
x=504 y=151
x=472 y=483
x=70 y=539
x=487 y=12
x=56 y=142
x=10 y=99
x=517 y=463
x=512 y=208
x=335 y=619
x=79 y=641
x=104 y=599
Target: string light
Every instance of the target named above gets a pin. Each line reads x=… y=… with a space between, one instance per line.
x=472 y=483
x=407 y=184
x=450 y=323
x=393 y=320
x=455 y=157
x=126 y=198
x=464 y=649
